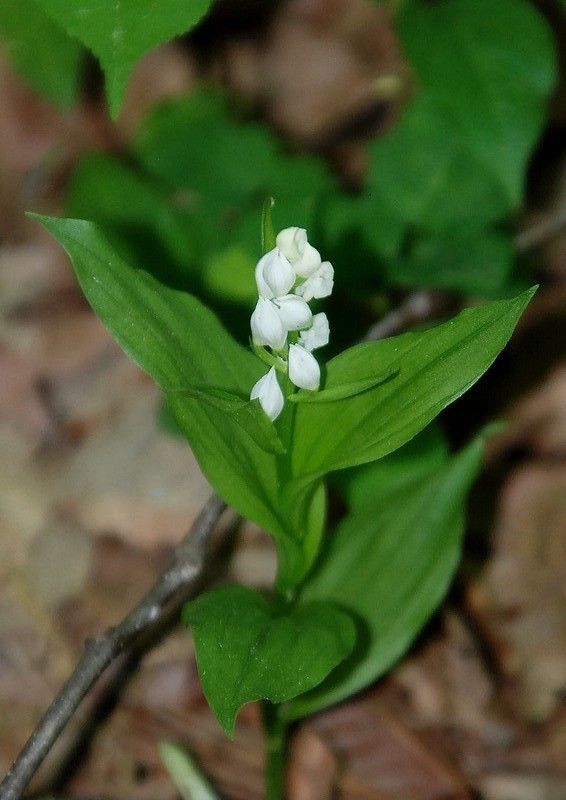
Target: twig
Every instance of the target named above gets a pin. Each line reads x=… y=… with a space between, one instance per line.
x=417 y=307
x=183 y=573
x=550 y=225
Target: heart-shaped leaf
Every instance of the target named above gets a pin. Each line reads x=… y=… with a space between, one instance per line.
x=119 y=32
x=248 y=650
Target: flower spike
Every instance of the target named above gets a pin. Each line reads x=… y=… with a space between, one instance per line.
x=287 y=278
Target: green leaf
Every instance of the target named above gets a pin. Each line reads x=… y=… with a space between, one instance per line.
x=186 y=776
x=247 y=413
x=423 y=173
x=247 y=649
x=41 y=50
x=119 y=32
x=267 y=232
x=433 y=367
x=478 y=260
x=342 y=391
x=390 y=563
x=370 y=485
x=239 y=157
x=148 y=229
x=489 y=68
x=243 y=160
x=161 y=329
x=229 y=274
x=205 y=374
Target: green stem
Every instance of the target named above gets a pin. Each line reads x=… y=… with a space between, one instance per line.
x=275 y=750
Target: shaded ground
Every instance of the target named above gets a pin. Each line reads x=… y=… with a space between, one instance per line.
x=93 y=495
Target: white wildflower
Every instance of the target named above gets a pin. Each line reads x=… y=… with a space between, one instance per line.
x=318 y=335
x=269 y=394
x=303 y=257
x=267 y=326
x=274 y=275
x=294 y=312
x=287 y=278
x=319 y=284
x=304 y=370
x=291 y=242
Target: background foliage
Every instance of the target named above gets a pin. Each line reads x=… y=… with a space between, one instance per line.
x=179 y=209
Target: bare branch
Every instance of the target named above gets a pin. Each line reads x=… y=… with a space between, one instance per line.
x=415 y=308
x=551 y=224
x=182 y=573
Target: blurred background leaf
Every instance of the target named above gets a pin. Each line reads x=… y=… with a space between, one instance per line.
x=41 y=50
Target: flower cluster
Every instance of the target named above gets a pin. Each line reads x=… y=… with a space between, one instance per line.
x=288 y=278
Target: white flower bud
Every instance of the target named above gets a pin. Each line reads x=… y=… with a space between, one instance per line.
x=308 y=263
x=320 y=283
x=304 y=370
x=291 y=242
x=274 y=275
x=267 y=326
x=317 y=335
x=293 y=311
x=269 y=394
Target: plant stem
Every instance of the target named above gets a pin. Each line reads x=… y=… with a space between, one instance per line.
x=275 y=750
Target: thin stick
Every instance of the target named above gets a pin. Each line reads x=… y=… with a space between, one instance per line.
x=417 y=307
x=550 y=225
x=182 y=573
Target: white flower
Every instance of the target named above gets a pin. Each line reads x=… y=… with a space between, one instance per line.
x=317 y=335
x=274 y=275
x=269 y=394
x=304 y=370
x=308 y=263
x=303 y=257
x=267 y=326
x=291 y=242
x=319 y=284
x=293 y=311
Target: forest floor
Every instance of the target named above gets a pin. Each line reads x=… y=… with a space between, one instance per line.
x=93 y=496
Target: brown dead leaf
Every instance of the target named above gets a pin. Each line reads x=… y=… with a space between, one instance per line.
x=537 y=421
x=328 y=74
x=312 y=768
x=520 y=602
x=382 y=759
x=161 y=74
x=131 y=478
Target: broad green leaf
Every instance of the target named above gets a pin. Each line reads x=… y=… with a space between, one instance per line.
x=471 y=259
x=147 y=230
x=206 y=375
x=433 y=367
x=424 y=174
x=163 y=330
x=489 y=68
x=229 y=274
x=41 y=50
x=342 y=391
x=254 y=483
x=119 y=32
x=185 y=774
x=248 y=649
x=390 y=563
x=370 y=484
x=243 y=163
x=239 y=157
x=247 y=413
